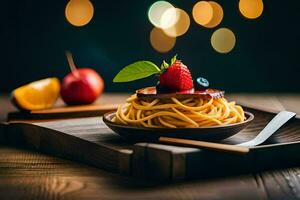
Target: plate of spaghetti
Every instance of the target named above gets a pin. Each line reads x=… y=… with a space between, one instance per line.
x=176 y=107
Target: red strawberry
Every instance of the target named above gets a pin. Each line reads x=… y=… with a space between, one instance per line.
x=177 y=77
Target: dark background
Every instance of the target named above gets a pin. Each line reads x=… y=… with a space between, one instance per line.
x=35 y=34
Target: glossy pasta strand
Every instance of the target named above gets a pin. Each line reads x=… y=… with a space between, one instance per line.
x=178 y=113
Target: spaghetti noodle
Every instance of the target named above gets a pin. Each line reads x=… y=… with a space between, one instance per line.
x=178 y=113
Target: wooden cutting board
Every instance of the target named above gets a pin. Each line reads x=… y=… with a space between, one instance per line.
x=64 y=112
x=165 y=162
x=88 y=140
x=105 y=103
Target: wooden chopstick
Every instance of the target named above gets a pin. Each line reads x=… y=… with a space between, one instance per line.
x=205 y=145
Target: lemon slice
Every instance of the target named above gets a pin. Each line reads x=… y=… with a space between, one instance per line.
x=37 y=95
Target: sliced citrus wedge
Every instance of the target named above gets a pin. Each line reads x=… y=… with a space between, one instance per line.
x=37 y=95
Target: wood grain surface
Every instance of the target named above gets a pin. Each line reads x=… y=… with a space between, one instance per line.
x=62 y=111
x=30 y=175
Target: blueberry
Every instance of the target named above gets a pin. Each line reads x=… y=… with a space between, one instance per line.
x=201 y=83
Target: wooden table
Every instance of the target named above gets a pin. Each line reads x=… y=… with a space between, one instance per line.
x=31 y=175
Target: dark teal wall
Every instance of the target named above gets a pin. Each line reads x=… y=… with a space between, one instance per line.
x=35 y=34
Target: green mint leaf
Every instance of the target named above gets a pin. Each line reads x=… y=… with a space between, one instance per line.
x=135 y=71
x=173 y=60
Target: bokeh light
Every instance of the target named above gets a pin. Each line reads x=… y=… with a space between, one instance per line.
x=160 y=41
x=251 y=9
x=169 y=18
x=223 y=40
x=181 y=26
x=217 y=15
x=79 y=12
x=202 y=12
x=156 y=12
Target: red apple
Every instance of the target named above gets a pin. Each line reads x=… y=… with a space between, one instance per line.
x=81 y=86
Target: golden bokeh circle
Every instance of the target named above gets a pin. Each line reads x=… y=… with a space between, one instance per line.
x=223 y=40
x=156 y=12
x=79 y=12
x=181 y=26
x=160 y=41
x=251 y=9
x=217 y=15
x=202 y=12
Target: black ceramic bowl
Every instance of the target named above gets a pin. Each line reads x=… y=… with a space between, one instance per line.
x=213 y=133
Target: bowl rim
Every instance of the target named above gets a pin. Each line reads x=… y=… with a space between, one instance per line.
x=109 y=122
